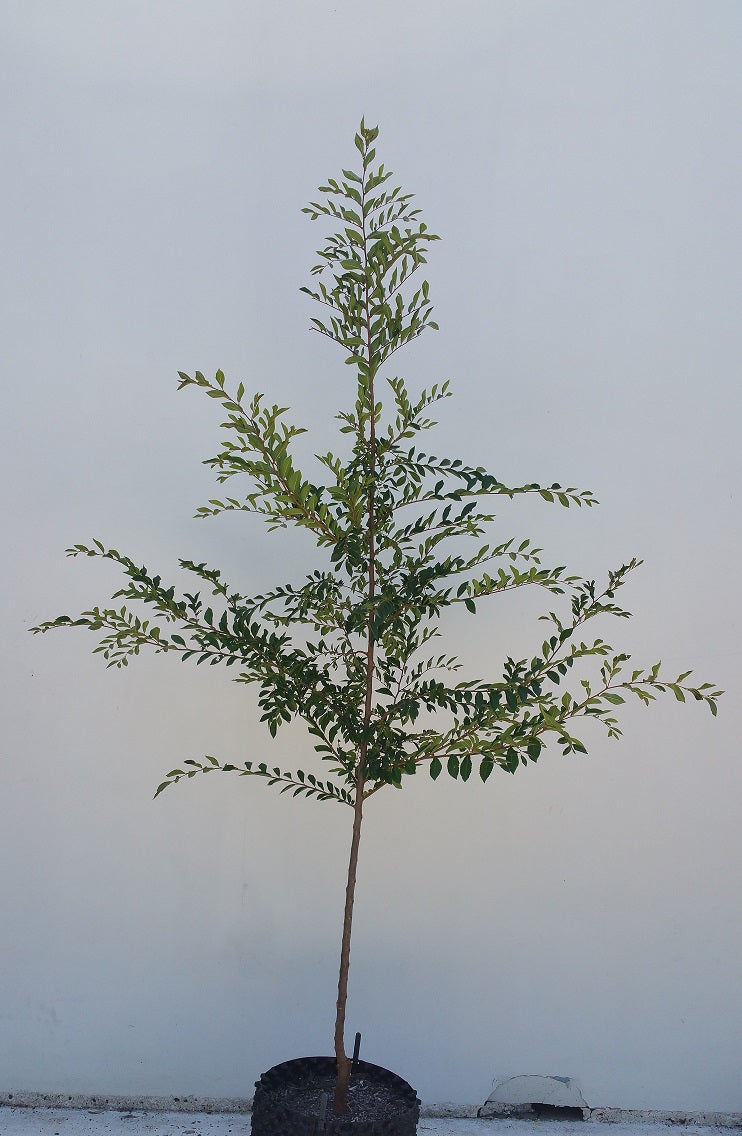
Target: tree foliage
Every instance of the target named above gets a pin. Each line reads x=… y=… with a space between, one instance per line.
x=304 y=645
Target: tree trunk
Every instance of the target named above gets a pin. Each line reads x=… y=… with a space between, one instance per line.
x=340 y=1103
x=344 y=1064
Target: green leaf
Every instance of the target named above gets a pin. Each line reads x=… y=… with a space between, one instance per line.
x=435 y=768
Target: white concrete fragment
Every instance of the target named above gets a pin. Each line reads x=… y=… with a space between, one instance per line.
x=534 y=1089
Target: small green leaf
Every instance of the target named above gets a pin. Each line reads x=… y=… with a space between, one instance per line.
x=511 y=760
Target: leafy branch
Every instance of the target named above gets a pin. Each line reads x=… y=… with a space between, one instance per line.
x=301 y=783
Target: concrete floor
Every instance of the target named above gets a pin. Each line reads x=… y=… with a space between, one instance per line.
x=89 y=1122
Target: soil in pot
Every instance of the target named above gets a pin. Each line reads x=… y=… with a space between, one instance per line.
x=295 y=1099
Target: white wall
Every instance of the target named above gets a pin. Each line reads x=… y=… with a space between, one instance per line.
x=583 y=163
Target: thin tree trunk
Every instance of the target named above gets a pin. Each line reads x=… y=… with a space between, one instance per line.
x=340 y=1103
x=344 y=1064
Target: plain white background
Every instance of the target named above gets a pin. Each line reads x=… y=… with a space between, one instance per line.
x=582 y=162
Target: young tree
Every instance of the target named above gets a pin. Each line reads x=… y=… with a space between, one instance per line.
x=350 y=650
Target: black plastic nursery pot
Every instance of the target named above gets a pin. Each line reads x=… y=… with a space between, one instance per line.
x=295 y=1099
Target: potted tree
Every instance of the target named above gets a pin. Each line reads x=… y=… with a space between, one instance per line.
x=351 y=650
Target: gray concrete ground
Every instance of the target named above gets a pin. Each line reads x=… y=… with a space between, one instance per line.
x=95 y=1122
